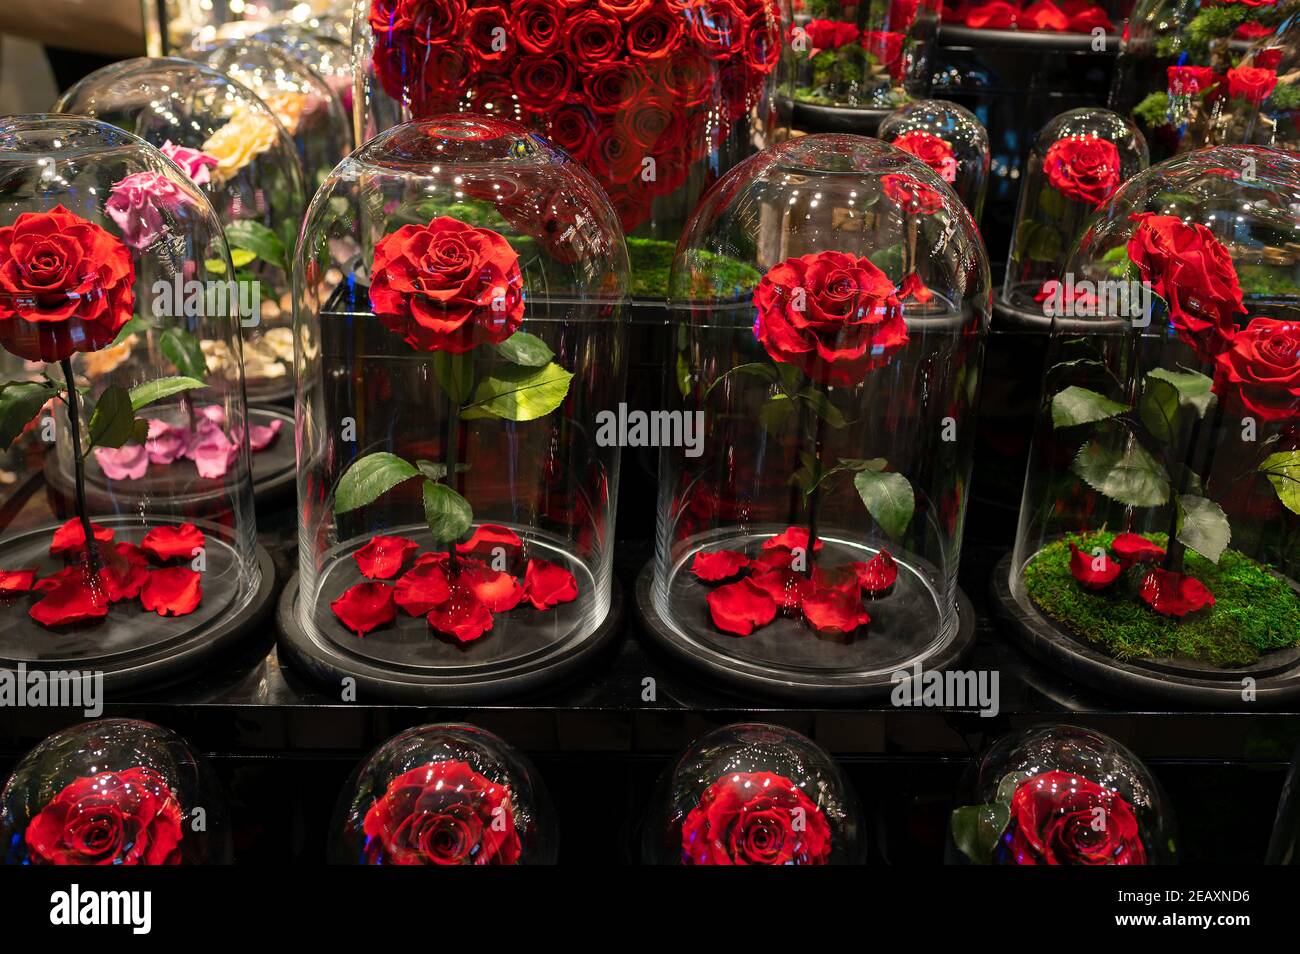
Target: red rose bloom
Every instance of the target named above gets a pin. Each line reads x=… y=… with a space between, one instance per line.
x=447 y=286
x=435 y=21
x=916 y=197
x=387 y=16
x=109 y=818
x=571 y=129
x=66 y=285
x=654 y=34
x=933 y=150
x=1043 y=15
x=887 y=50
x=831 y=34
x=1083 y=168
x=592 y=38
x=1188 y=268
x=1263 y=363
x=1189 y=80
x=1267 y=59
x=542 y=82
x=755 y=818
x=1093 y=571
x=1252 y=83
x=718 y=27
x=1133 y=548
x=538 y=25
x=833 y=315
x=443 y=813
x=365 y=606
x=1174 y=594
x=624 y=9
x=488 y=32
x=1058 y=818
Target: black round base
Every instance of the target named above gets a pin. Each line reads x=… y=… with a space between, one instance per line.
x=327 y=662
x=177 y=488
x=1008 y=318
x=814 y=118
x=804 y=686
x=1274 y=679
x=133 y=647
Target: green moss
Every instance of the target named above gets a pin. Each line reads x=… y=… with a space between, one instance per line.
x=1154 y=110
x=652 y=259
x=1285 y=96
x=1254 y=611
x=1267 y=281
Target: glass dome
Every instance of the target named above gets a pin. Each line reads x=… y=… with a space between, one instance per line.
x=856 y=55
x=327 y=56
x=829 y=301
x=233 y=147
x=654 y=97
x=145 y=453
x=461 y=293
x=1178 y=59
x=173 y=25
x=114 y=792
x=754 y=794
x=1078 y=161
x=947 y=138
x=1061 y=795
x=444 y=795
x=1159 y=528
x=1284 y=844
x=1261 y=105
x=306 y=106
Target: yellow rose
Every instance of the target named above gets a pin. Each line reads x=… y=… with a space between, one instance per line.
x=236 y=143
x=288 y=106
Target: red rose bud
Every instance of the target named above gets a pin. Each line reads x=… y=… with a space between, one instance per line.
x=1131 y=548
x=71 y=537
x=175 y=591
x=462 y=616
x=487 y=537
x=718 y=565
x=547 y=584
x=382 y=557
x=1262 y=366
x=14 y=582
x=1252 y=83
x=421 y=588
x=740 y=607
x=172 y=543
x=365 y=607
x=755 y=818
x=1174 y=594
x=1094 y=571
x=878 y=575
x=1083 y=168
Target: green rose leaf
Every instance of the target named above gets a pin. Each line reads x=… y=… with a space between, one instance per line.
x=1158 y=409
x=520 y=393
x=764 y=372
x=1203 y=526
x=1129 y=475
x=1053 y=204
x=369 y=478
x=1045 y=244
x=112 y=423
x=977 y=828
x=20 y=401
x=255 y=237
x=447 y=512
x=821 y=405
x=142 y=395
x=183 y=350
x=1076 y=405
x=528 y=350
x=1283 y=472
x=136 y=325
x=888 y=497
x=1195 y=390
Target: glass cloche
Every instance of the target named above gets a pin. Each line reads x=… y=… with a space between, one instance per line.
x=461 y=289
x=444 y=795
x=328 y=57
x=172 y=25
x=1180 y=57
x=829 y=302
x=140 y=557
x=308 y=109
x=947 y=138
x=114 y=792
x=1078 y=161
x=1261 y=101
x=232 y=146
x=1159 y=540
x=850 y=55
x=655 y=98
x=754 y=794
x=1060 y=795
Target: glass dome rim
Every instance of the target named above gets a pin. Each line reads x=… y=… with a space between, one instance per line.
x=24 y=122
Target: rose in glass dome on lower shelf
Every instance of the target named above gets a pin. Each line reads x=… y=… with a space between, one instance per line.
x=1050 y=818
x=66 y=286
x=453 y=289
x=755 y=818
x=827 y=319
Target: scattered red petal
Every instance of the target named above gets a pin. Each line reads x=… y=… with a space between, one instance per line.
x=786 y=588
x=73 y=600
x=172 y=591
x=487 y=538
x=462 y=616
x=13 y=582
x=835 y=609
x=121 y=578
x=1174 y=594
x=130 y=553
x=718 y=565
x=421 y=588
x=70 y=537
x=778 y=558
x=1093 y=571
x=741 y=606
x=495 y=589
x=49 y=584
x=172 y=543
x=1131 y=548
x=547 y=584
x=365 y=606
x=913 y=287
x=878 y=575
x=790 y=539
x=382 y=557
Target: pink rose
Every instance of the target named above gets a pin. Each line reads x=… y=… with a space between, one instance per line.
x=195 y=163
x=137 y=204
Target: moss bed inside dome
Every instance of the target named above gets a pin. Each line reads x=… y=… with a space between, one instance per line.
x=1255 y=611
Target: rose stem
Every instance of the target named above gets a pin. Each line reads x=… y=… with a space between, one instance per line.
x=1176 y=549
x=815 y=498
x=453 y=433
x=79 y=466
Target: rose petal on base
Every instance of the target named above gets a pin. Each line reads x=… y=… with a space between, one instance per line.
x=786 y=588
x=172 y=591
x=718 y=565
x=71 y=538
x=1094 y=572
x=547 y=584
x=128 y=462
x=382 y=557
x=487 y=537
x=1131 y=548
x=73 y=600
x=1174 y=594
x=14 y=582
x=365 y=606
x=791 y=538
x=497 y=590
x=462 y=616
x=833 y=610
x=740 y=607
x=421 y=588
x=878 y=575
x=172 y=543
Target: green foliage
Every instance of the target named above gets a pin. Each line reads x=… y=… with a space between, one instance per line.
x=369 y=478
x=525 y=349
x=1254 y=611
x=1154 y=110
x=257 y=238
x=20 y=401
x=977 y=828
x=1075 y=405
x=185 y=353
x=448 y=513
x=1203 y=526
x=1127 y=474
x=1212 y=23
x=520 y=393
x=1285 y=96
x=142 y=395
x=888 y=497
x=1283 y=472
x=112 y=423
x=454 y=374
x=1194 y=390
